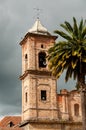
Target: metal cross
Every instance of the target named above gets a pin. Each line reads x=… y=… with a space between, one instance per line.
x=38 y=12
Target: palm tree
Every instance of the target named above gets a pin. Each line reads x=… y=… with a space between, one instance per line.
x=70 y=55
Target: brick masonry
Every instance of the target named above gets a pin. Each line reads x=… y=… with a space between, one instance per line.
x=52 y=113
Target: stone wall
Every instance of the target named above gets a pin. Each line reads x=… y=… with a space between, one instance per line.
x=69 y=104
x=53 y=126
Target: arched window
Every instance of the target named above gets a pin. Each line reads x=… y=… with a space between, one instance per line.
x=42 y=59
x=76 y=109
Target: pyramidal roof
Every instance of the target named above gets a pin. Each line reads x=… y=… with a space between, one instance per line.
x=38 y=28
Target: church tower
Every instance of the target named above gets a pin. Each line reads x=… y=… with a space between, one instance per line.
x=39 y=90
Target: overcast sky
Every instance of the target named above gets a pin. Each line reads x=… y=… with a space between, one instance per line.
x=16 y=17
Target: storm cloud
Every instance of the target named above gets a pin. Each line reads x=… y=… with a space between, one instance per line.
x=16 y=17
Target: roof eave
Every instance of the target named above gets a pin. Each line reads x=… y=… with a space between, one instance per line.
x=35 y=35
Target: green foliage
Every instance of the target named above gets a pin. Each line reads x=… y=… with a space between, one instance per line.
x=70 y=54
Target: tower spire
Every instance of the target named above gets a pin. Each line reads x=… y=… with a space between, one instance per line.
x=38 y=28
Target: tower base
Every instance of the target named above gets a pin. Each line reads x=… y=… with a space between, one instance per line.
x=46 y=124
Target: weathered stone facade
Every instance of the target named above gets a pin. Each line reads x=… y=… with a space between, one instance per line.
x=53 y=126
x=42 y=108
x=69 y=104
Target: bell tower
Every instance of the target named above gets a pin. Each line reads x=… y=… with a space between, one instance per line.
x=39 y=90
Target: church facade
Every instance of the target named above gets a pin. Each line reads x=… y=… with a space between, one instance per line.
x=42 y=107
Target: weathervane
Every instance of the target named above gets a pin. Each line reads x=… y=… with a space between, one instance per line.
x=37 y=12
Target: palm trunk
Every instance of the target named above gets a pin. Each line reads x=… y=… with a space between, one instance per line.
x=82 y=85
x=83 y=105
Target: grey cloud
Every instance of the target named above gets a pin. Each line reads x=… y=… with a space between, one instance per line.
x=16 y=17
x=10 y=109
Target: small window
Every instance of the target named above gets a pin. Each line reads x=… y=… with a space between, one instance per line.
x=42 y=59
x=26 y=97
x=43 y=95
x=42 y=46
x=10 y=124
x=76 y=109
x=26 y=61
x=26 y=57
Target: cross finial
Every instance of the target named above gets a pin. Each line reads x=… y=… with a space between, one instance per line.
x=37 y=12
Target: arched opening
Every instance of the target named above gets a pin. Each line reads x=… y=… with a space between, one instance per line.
x=42 y=59
x=76 y=109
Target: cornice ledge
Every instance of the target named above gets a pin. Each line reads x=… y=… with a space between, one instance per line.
x=35 y=72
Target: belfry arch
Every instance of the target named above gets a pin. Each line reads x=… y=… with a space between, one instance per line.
x=42 y=59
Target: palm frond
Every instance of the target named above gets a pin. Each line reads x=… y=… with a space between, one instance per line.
x=64 y=35
x=75 y=27
x=81 y=25
x=84 y=33
x=69 y=26
x=68 y=74
x=70 y=54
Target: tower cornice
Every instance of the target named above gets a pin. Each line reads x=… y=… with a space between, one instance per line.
x=35 y=72
x=37 y=35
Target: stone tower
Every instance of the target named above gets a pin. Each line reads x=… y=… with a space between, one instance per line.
x=39 y=90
